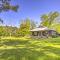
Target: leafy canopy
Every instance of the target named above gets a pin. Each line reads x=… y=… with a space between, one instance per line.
x=47 y=19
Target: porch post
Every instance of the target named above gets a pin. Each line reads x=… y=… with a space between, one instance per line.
x=41 y=34
x=47 y=34
x=38 y=34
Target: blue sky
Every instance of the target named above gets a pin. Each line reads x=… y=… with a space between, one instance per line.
x=32 y=9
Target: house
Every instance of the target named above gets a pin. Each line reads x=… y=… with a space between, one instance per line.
x=42 y=32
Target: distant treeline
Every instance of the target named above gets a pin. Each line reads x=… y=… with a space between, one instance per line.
x=8 y=31
x=24 y=29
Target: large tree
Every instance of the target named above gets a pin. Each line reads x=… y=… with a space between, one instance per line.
x=47 y=19
x=44 y=19
x=6 y=6
x=56 y=26
x=25 y=27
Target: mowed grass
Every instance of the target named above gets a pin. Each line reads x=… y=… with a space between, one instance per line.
x=29 y=49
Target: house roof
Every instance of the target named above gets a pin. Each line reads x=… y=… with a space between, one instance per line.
x=40 y=29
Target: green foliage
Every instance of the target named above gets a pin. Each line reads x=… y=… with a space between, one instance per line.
x=7 y=31
x=23 y=30
x=56 y=27
x=1 y=30
x=44 y=19
x=47 y=20
x=52 y=17
x=24 y=27
x=5 y=6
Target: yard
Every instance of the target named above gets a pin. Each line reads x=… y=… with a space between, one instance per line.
x=29 y=49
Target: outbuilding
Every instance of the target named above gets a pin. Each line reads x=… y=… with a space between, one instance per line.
x=42 y=32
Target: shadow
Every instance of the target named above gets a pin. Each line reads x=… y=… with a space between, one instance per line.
x=12 y=42
x=20 y=54
x=52 y=49
x=30 y=54
x=32 y=50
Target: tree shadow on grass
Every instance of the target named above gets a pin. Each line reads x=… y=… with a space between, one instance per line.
x=31 y=51
x=20 y=54
x=12 y=42
x=29 y=54
x=52 y=49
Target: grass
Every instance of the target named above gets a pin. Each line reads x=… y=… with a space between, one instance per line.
x=29 y=49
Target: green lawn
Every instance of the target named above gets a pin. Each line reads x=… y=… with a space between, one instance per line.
x=29 y=49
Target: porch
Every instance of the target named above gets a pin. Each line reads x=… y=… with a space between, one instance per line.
x=40 y=34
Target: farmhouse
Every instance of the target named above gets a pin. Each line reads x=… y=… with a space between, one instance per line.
x=42 y=32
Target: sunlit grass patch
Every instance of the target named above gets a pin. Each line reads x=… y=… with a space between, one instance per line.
x=51 y=54
x=30 y=49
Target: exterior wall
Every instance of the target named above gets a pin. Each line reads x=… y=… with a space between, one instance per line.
x=44 y=34
x=53 y=33
x=39 y=34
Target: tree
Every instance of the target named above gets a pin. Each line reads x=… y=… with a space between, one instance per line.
x=56 y=26
x=47 y=20
x=52 y=17
x=8 y=31
x=1 y=30
x=44 y=19
x=6 y=6
x=24 y=27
